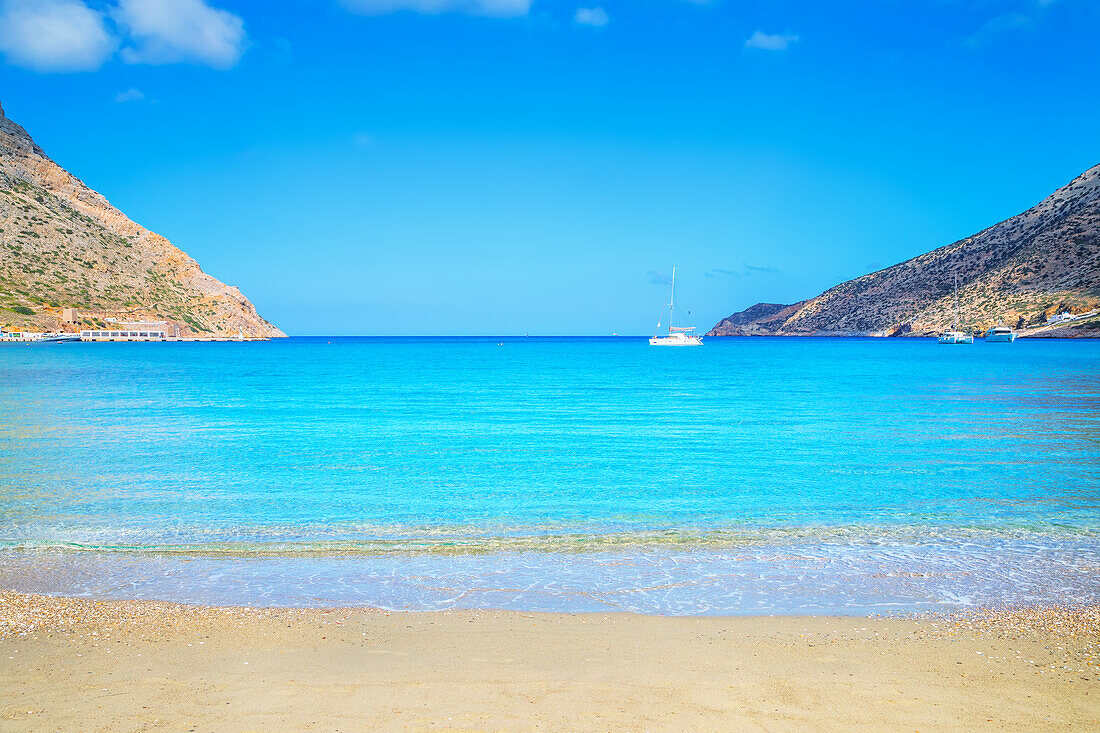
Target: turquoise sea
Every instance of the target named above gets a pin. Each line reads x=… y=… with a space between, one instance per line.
x=759 y=475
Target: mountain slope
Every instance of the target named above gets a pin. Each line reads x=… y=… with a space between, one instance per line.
x=1017 y=272
x=62 y=245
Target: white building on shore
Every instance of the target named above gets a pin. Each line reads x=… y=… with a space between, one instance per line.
x=135 y=331
x=147 y=334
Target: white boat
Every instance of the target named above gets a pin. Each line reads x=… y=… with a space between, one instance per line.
x=955 y=336
x=58 y=337
x=1000 y=334
x=677 y=335
x=29 y=337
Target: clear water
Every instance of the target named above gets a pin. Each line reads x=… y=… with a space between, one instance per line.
x=748 y=476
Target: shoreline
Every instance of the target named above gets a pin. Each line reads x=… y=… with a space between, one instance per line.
x=70 y=663
x=831 y=575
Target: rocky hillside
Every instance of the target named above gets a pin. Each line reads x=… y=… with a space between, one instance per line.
x=62 y=245
x=1017 y=273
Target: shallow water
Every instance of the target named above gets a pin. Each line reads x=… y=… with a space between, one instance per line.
x=751 y=475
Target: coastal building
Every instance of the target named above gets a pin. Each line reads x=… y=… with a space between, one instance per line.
x=1062 y=318
x=125 y=334
x=69 y=315
x=14 y=336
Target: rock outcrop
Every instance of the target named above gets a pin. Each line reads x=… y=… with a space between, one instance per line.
x=758 y=320
x=1017 y=273
x=62 y=245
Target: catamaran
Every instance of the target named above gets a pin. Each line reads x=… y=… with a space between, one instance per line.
x=677 y=335
x=955 y=336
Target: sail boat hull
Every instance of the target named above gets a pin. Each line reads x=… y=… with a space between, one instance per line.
x=676 y=339
x=955 y=337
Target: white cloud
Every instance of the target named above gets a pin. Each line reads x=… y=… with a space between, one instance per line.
x=591 y=16
x=745 y=271
x=169 y=31
x=771 y=42
x=998 y=26
x=54 y=35
x=493 y=8
x=1023 y=20
x=130 y=95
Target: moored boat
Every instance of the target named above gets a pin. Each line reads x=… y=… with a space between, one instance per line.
x=955 y=336
x=30 y=337
x=677 y=335
x=1000 y=334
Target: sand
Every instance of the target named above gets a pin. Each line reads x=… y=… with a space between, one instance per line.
x=92 y=666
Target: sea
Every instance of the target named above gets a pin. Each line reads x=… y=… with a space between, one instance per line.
x=749 y=476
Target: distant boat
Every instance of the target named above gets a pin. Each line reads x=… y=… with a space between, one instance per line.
x=27 y=337
x=58 y=338
x=1000 y=333
x=677 y=335
x=955 y=336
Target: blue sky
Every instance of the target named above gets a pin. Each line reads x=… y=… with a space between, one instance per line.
x=506 y=166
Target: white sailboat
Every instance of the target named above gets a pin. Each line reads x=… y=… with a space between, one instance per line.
x=955 y=336
x=677 y=335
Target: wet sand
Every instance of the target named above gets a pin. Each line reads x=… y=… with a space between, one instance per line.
x=115 y=666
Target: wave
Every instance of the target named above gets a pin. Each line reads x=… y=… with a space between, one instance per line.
x=273 y=542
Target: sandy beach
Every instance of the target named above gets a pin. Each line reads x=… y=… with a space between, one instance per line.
x=112 y=666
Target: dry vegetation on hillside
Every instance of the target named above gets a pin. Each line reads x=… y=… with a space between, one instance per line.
x=63 y=245
x=1016 y=273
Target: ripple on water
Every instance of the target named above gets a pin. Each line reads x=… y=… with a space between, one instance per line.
x=796 y=578
x=750 y=476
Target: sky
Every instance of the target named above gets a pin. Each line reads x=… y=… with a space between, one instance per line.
x=393 y=167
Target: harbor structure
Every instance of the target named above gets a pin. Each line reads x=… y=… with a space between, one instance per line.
x=132 y=331
x=149 y=333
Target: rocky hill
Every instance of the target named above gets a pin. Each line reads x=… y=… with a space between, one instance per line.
x=1017 y=273
x=62 y=245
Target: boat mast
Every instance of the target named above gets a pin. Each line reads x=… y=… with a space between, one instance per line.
x=956 y=326
x=671 y=300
